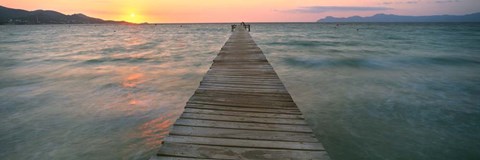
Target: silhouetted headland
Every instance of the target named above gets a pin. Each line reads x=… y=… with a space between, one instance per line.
x=18 y=16
x=475 y=17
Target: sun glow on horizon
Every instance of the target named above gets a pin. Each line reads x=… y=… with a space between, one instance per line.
x=191 y=11
x=133 y=17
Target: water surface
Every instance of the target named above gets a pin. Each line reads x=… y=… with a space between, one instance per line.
x=384 y=91
x=97 y=91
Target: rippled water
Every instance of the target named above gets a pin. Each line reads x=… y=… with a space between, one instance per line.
x=386 y=91
x=100 y=92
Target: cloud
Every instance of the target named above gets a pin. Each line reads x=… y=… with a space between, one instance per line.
x=411 y=2
x=322 y=9
x=401 y=2
x=446 y=1
x=393 y=2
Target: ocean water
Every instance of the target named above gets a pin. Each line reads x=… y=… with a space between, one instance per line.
x=97 y=91
x=384 y=91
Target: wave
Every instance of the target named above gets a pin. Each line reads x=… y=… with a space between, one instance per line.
x=441 y=60
x=122 y=59
x=116 y=49
x=332 y=63
x=380 y=64
x=7 y=62
x=143 y=46
x=15 y=41
x=133 y=48
x=303 y=43
x=453 y=60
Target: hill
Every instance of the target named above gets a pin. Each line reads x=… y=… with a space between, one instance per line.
x=475 y=17
x=18 y=16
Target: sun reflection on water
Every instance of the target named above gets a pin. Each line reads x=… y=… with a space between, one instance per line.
x=134 y=102
x=155 y=130
x=133 y=80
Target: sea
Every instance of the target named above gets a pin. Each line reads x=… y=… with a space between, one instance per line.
x=369 y=90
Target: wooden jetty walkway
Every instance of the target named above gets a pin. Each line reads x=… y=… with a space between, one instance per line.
x=241 y=110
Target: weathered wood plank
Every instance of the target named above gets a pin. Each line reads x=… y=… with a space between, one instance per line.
x=246 y=83
x=244 y=96
x=242 y=134
x=255 y=75
x=205 y=151
x=228 y=101
x=227 y=142
x=264 y=72
x=238 y=89
x=243 y=119
x=225 y=78
x=238 y=80
x=174 y=158
x=257 y=78
x=242 y=109
x=243 y=113
x=242 y=55
x=243 y=125
x=205 y=84
x=262 y=69
x=279 y=95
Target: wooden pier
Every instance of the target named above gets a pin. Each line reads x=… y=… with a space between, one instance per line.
x=241 y=110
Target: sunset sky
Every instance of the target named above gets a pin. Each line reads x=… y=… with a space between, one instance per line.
x=191 y=11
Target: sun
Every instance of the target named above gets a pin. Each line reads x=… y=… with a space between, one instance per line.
x=133 y=17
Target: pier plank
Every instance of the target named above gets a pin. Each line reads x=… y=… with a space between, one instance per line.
x=244 y=125
x=244 y=109
x=245 y=143
x=242 y=134
x=243 y=119
x=243 y=113
x=221 y=152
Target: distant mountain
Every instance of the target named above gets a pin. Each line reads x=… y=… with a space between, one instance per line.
x=18 y=16
x=396 y=18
